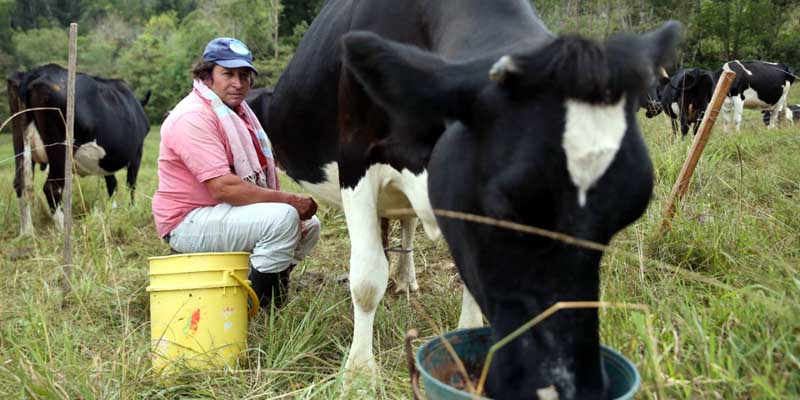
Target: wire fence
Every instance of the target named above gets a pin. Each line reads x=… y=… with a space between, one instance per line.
x=476 y=388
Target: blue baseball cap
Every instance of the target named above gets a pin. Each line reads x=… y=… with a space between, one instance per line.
x=229 y=53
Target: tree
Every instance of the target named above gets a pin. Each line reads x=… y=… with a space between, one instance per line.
x=296 y=11
x=39 y=46
x=146 y=65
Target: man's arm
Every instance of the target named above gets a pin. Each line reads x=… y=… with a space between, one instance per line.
x=235 y=191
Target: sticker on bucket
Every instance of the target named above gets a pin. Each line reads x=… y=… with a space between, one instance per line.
x=191 y=325
x=228 y=325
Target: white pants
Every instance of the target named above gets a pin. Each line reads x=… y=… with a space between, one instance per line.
x=271 y=232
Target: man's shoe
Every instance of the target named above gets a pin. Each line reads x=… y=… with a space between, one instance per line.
x=270 y=287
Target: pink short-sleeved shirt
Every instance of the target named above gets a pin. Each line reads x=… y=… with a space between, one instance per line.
x=193 y=150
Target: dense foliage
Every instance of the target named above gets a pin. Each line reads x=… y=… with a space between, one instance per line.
x=152 y=43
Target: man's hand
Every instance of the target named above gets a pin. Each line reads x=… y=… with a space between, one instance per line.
x=237 y=192
x=305 y=205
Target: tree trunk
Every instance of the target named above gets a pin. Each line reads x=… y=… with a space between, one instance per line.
x=276 y=10
x=737 y=32
x=726 y=39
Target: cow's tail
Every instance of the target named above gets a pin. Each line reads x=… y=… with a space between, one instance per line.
x=146 y=98
x=790 y=76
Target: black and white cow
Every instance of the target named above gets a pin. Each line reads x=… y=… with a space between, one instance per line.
x=686 y=97
x=386 y=102
x=758 y=85
x=110 y=127
x=792 y=113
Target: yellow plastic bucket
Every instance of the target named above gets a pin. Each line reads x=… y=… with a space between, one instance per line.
x=198 y=309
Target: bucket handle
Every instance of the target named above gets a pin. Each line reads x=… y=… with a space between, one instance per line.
x=250 y=292
x=413 y=372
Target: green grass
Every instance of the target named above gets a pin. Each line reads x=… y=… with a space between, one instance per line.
x=722 y=287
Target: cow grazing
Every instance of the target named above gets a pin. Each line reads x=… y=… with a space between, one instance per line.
x=792 y=113
x=110 y=127
x=758 y=85
x=686 y=98
x=651 y=100
x=385 y=102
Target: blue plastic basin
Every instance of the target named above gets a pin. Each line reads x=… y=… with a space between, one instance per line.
x=441 y=380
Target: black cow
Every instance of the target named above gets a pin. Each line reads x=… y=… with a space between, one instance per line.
x=259 y=99
x=651 y=100
x=385 y=101
x=758 y=85
x=110 y=127
x=686 y=97
x=792 y=114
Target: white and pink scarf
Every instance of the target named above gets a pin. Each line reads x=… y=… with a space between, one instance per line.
x=245 y=159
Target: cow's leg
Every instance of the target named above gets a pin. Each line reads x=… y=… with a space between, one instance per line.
x=738 y=109
x=23 y=174
x=133 y=173
x=111 y=187
x=774 y=117
x=684 y=121
x=405 y=277
x=369 y=269
x=779 y=109
x=53 y=188
x=727 y=112
x=54 y=185
x=111 y=184
x=23 y=183
x=471 y=315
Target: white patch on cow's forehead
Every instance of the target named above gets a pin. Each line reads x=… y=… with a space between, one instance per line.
x=327 y=190
x=87 y=159
x=592 y=136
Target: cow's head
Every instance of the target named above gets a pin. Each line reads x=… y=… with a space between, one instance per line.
x=651 y=101
x=546 y=137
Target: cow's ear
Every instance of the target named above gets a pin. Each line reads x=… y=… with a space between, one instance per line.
x=662 y=43
x=408 y=80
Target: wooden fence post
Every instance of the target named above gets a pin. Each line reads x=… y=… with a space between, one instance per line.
x=700 y=140
x=66 y=199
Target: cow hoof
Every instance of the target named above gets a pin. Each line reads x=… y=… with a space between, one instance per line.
x=360 y=379
x=405 y=287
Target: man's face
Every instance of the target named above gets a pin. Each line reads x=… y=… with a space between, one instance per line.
x=230 y=84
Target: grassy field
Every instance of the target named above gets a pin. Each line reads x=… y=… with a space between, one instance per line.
x=722 y=286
